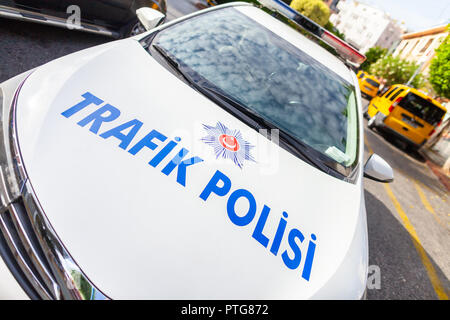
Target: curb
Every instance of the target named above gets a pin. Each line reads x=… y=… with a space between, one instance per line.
x=439 y=174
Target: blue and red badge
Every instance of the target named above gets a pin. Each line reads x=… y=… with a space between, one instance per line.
x=228 y=144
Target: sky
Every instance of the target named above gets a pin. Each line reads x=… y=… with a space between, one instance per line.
x=417 y=14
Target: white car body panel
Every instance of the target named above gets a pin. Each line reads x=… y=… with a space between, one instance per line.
x=137 y=233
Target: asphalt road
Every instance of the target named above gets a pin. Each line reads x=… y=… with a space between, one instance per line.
x=25 y=45
x=408 y=220
x=408 y=224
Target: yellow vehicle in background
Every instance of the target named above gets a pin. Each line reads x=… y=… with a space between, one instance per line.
x=405 y=113
x=368 y=84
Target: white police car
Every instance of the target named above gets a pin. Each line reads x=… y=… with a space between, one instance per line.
x=223 y=161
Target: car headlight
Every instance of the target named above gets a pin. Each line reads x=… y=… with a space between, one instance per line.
x=28 y=244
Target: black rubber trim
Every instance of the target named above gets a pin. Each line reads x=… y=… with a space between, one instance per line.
x=26 y=223
x=377 y=180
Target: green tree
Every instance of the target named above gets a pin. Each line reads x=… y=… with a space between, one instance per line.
x=372 y=55
x=330 y=27
x=316 y=10
x=395 y=70
x=440 y=69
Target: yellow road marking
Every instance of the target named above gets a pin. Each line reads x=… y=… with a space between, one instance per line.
x=437 y=194
x=440 y=195
x=368 y=145
x=425 y=202
x=417 y=184
x=432 y=275
x=435 y=282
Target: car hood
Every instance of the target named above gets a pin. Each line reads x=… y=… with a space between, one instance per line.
x=197 y=222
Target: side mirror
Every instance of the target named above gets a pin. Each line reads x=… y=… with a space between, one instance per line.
x=149 y=18
x=377 y=169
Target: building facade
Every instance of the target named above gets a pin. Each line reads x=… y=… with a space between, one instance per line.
x=365 y=27
x=333 y=5
x=420 y=46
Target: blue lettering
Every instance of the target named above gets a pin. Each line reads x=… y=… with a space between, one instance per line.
x=89 y=98
x=163 y=153
x=279 y=235
x=257 y=233
x=213 y=186
x=295 y=261
x=309 y=258
x=97 y=117
x=248 y=217
x=135 y=125
x=147 y=141
x=219 y=184
x=176 y=162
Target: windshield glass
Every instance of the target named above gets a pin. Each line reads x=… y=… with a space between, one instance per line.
x=422 y=108
x=373 y=82
x=270 y=76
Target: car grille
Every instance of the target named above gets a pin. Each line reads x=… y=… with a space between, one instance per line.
x=36 y=257
x=28 y=244
x=25 y=257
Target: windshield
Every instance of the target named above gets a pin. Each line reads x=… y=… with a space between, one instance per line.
x=422 y=108
x=373 y=82
x=270 y=76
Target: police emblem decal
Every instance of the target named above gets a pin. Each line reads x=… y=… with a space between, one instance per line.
x=228 y=144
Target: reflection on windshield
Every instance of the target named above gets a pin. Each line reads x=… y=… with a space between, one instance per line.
x=270 y=76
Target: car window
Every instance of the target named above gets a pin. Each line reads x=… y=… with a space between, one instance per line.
x=422 y=108
x=396 y=94
x=390 y=93
x=372 y=82
x=270 y=76
x=383 y=91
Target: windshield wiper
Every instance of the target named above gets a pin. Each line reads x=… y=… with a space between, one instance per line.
x=260 y=121
x=294 y=145
x=173 y=63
